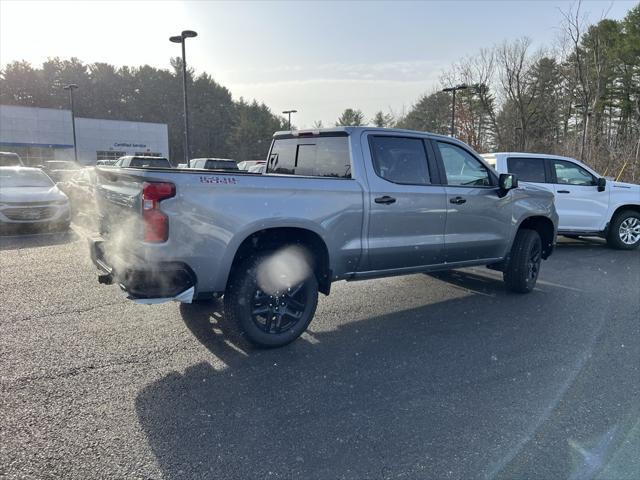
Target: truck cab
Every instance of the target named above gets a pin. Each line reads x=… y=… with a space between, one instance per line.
x=587 y=203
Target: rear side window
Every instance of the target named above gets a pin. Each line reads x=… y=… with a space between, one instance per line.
x=527 y=169
x=400 y=160
x=311 y=156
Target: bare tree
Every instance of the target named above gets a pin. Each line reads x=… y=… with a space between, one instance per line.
x=518 y=87
x=573 y=26
x=479 y=72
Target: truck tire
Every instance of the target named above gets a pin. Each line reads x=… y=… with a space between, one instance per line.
x=624 y=230
x=523 y=267
x=274 y=320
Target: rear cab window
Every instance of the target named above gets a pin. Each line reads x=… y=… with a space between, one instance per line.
x=315 y=156
x=150 y=162
x=221 y=165
x=491 y=160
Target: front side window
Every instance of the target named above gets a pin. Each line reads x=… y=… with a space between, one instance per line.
x=527 y=169
x=568 y=173
x=400 y=160
x=311 y=156
x=462 y=168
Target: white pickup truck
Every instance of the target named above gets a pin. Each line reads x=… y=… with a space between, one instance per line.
x=587 y=203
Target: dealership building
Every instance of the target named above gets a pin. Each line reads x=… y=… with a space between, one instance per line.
x=41 y=134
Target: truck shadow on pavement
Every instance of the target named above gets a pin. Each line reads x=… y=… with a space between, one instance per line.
x=434 y=391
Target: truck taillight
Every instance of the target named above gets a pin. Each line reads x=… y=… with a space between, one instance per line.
x=156 y=222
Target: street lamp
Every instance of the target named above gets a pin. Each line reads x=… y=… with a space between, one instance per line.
x=71 y=87
x=453 y=105
x=289 y=112
x=182 y=39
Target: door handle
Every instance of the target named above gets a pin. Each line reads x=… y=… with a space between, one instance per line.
x=457 y=200
x=386 y=200
x=564 y=191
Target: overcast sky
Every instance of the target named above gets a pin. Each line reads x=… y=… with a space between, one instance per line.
x=317 y=57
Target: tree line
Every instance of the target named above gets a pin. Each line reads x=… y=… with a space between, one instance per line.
x=580 y=99
x=218 y=125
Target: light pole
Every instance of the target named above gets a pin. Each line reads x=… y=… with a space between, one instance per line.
x=71 y=87
x=289 y=112
x=182 y=39
x=453 y=90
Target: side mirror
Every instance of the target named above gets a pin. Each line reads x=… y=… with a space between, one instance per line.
x=507 y=181
x=601 y=183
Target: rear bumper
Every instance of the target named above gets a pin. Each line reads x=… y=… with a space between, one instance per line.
x=143 y=281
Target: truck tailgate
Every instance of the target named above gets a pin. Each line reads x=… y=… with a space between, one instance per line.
x=119 y=199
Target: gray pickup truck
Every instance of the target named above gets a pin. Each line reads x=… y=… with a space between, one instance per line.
x=347 y=203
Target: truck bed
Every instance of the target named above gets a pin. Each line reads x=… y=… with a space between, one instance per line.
x=214 y=211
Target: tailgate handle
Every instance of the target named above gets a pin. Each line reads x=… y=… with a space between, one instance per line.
x=386 y=200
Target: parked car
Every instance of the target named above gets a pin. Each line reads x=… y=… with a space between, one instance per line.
x=260 y=168
x=29 y=198
x=587 y=204
x=81 y=190
x=106 y=163
x=61 y=170
x=247 y=164
x=10 y=159
x=346 y=203
x=214 y=163
x=142 y=162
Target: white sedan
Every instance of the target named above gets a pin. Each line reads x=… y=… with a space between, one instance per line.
x=28 y=197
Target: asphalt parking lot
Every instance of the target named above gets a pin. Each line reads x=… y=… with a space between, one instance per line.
x=417 y=377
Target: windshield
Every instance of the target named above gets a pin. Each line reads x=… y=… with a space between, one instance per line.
x=24 y=178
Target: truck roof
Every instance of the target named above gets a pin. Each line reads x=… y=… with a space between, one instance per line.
x=214 y=158
x=352 y=130
x=528 y=154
